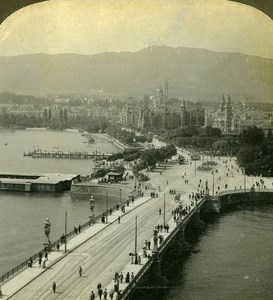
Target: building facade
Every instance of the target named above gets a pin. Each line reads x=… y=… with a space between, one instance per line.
x=155 y=113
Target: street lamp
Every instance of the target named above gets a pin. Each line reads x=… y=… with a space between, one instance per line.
x=164 y=212
x=92 y=205
x=136 y=258
x=244 y=173
x=65 y=230
x=106 y=204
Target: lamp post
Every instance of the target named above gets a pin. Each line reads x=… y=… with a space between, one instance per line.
x=136 y=258
x=92 y=205
x=164 y=212
x=106 y=204
x=65 y=230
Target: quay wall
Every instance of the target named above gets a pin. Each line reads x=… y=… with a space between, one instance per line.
x=86 y=190
x=116 y=142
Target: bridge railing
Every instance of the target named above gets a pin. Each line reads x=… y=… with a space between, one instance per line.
x=239 y=191
x=138 y=276
x=22 y=266
x=161 y=248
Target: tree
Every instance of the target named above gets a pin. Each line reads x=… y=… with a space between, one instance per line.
x=252 y=135
x=149 y=157
x=45 y=114
x=49 y=114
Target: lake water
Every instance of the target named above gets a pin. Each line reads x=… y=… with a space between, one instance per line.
x=22 y=215
x=232 y=260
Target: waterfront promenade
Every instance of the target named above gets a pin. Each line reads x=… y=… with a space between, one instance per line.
x=103 y=249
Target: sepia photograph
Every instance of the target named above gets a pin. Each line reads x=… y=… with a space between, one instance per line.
x=136 y=149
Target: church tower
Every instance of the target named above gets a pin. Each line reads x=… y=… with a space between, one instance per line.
x=183 y=114
x=228 y=115
x=223 y=104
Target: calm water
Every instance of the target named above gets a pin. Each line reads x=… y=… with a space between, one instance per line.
x=22 y=215
x=232 y=260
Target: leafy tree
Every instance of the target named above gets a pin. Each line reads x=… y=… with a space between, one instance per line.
x=252 y=136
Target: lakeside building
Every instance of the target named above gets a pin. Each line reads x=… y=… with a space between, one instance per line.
x=231 y=120
x=26 y=182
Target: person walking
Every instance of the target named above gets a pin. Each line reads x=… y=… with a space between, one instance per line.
x=100 y=293
x=105 y=294
x=46 y=255
x=92 y=296
x=159 y=211
x=111 y=294
x=54 y=286
x=44 y=263
x=119 y=219
x=40 y=262
x=80 y=271
x=121 y=277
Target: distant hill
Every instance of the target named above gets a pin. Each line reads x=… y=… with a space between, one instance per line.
x=195 y=74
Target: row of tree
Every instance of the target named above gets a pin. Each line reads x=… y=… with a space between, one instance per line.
x=18 y=121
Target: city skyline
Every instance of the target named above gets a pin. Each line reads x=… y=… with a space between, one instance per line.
x=90 y=27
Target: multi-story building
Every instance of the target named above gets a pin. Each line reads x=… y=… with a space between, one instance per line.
x=156 y=113
x=234 y=122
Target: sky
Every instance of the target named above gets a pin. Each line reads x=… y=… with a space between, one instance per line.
x=95 y=26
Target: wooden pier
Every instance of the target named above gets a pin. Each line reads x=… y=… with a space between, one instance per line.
x=67 y=155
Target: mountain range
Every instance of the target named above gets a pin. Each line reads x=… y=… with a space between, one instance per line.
x=195 y=74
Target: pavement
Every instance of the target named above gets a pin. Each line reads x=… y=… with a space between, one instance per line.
x=103 y=249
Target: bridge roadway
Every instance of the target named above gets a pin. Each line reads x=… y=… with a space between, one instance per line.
x=108 y=250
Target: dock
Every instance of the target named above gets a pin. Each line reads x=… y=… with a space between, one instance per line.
x=66 y=155
x=34 y=182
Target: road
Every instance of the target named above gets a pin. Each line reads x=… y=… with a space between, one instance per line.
x=108 y=251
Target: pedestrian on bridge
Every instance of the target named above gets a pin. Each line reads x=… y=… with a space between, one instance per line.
x=159 y=211
x=92 y=296
x=40 y=262
x=105 y=294
x=127 y=278
x=121 y=277
x=54 y=286
x=80 y=271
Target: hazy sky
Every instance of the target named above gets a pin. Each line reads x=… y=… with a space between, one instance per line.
x=89 y=27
